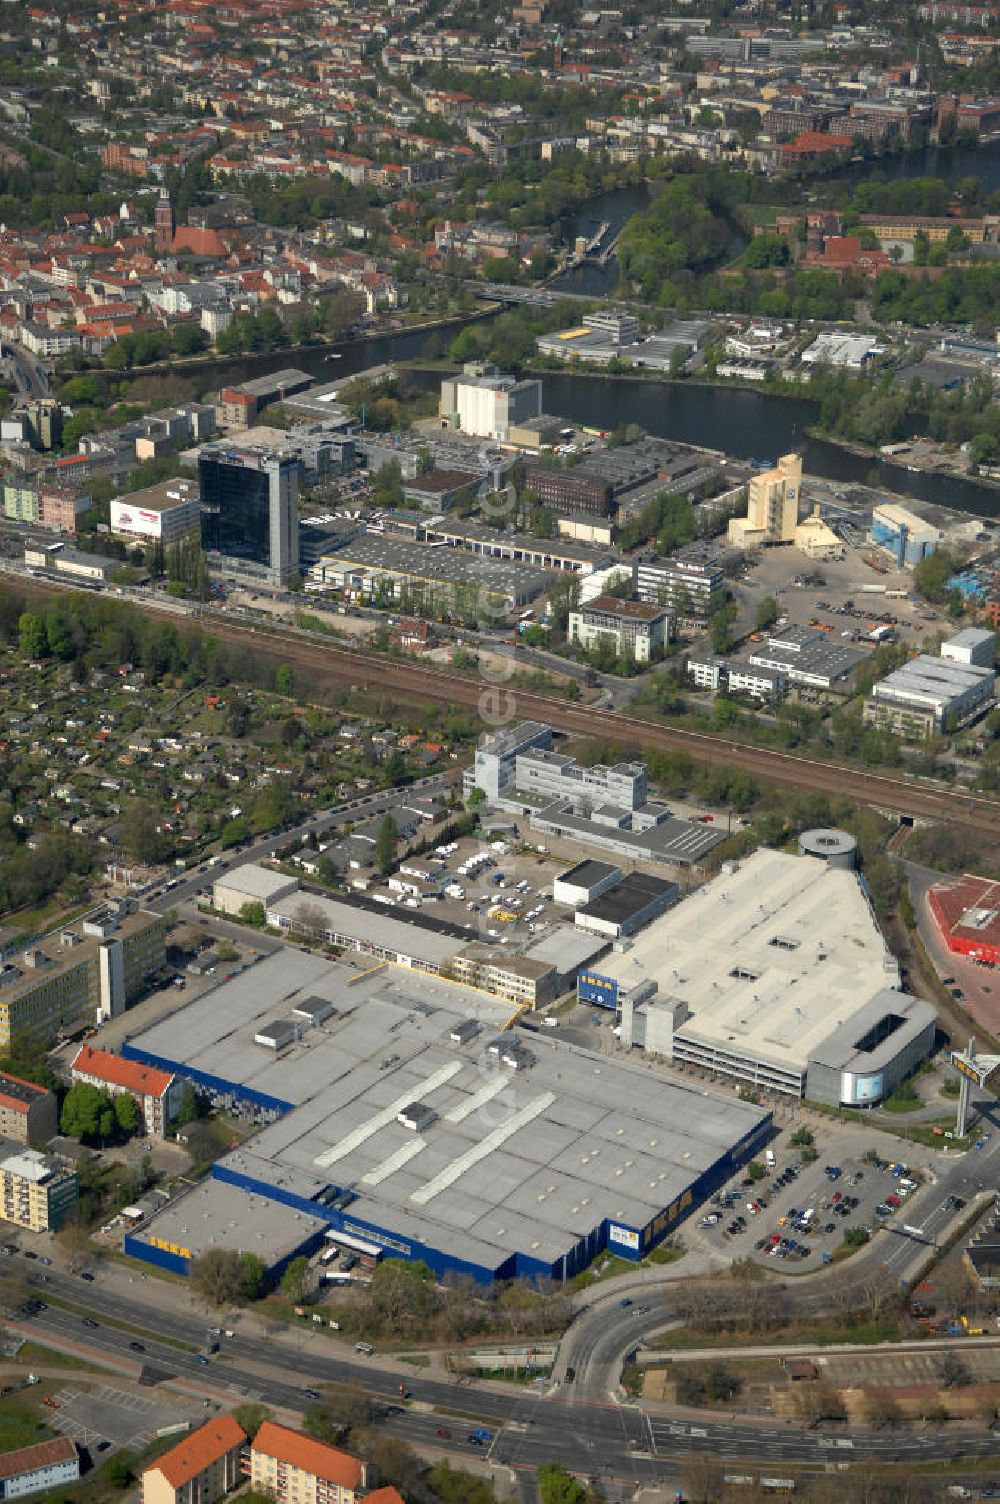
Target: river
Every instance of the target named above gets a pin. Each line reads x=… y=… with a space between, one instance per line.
x=747 y=424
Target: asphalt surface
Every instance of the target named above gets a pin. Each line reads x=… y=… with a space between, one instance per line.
x=580 y=1424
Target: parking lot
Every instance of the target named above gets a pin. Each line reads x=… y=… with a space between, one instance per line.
x=798 y=1214
x=110 y=1415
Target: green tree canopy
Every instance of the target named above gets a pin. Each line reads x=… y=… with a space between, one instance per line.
x=88 y=1114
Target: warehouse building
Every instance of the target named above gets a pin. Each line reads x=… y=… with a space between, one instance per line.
x=904 y=535
x=444 y=580
x=584 y=883
x=806 y=657
x=538 y=1156
x=633 y=903
x=967 y=912
x=929 y=697
x=974 y=647
x=250 y=883
x=775 y=963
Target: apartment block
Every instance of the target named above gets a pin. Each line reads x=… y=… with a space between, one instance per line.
x=85 y=973
x=42 y=1468
x=201 y=1468
x=156 y=1093
x=292 y=1468
x=28 y=1113
x=35 y=1192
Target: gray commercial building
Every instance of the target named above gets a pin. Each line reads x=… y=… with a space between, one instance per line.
x=413 y=1123
x=868 y=1054
x=807 y=657
x=929 y=696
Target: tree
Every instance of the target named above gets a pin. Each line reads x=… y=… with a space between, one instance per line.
x=218 y=1275
x=284 y=679
x=386 y=843
x=32 y=637
x=253 y=1276
x=476 y=799
x=188 y=1110
x=251 y=1417
x=253 y=912
x=295 y=1279
x=557 y=1486
x=953 y=1373
x=87 y=1114
x=768 y=611
x=388 y=485
x=120 y=1471
x=126 y=1112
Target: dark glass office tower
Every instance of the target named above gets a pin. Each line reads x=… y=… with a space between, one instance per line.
x=249 y=503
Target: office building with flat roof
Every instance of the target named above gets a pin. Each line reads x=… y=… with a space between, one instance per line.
x=249 y=517
x=929 y=697
x=164 y=513
x=691 y=584
x=634 y=628
x=89 y=971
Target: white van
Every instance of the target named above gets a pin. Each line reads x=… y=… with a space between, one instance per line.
x=769 y=1159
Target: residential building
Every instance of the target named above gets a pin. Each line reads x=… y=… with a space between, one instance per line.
x=250 y=509
x=201 y=1468
x=20 y=497
x=691 y=584
x=42 y=1468
x=296 y=1469
x=156 y=1093
x=89 y=971
x=772 y=506
x=636 y=629
x=482 y=401
x=61 y=507
x=28 y=1113
x=164 y=513
x=35 y=1192
x=929 y=697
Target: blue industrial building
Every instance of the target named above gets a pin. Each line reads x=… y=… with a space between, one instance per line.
x=415 y=1123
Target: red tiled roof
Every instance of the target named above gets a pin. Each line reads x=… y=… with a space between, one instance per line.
x=42 y=1454
x=301 y=1451
x=144 y=1079
x=199 y=1450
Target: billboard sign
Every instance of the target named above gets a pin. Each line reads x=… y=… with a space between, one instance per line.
x=624 y=1237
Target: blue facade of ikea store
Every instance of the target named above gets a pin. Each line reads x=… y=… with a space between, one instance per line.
x=628 y=1242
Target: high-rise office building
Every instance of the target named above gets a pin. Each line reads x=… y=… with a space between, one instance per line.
x=250 y=515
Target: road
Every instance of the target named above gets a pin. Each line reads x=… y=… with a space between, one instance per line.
x=580 y=1424
x=318 y=824
x=601 y=1337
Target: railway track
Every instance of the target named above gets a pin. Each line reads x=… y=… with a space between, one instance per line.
x=328 y=664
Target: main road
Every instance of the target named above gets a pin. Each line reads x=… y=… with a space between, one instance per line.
x=580 y=1424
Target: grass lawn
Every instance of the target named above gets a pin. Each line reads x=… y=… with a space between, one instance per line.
x=21 y=1423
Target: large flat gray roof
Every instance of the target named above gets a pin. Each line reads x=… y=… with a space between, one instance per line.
x=525 y=1161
